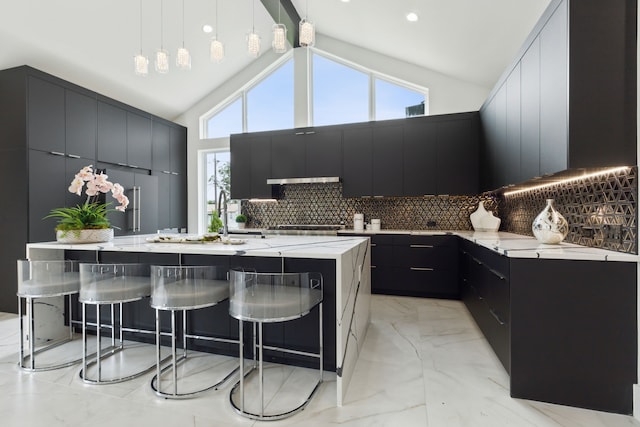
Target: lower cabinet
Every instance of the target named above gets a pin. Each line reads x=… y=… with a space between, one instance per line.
x=563 y=329
x=424 y=266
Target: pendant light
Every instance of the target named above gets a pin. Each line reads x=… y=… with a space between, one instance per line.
x=183 y=58
x=307 y=31
x=141 y=62
x=216 y=47
x=253 y=39
x=162 y=56
x=279 y=42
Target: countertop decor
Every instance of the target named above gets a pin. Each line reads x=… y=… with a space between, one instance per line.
x=88 y=222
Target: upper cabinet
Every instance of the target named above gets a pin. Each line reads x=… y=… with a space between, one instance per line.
x=569 y=100
x=45 y=108
x=81 y=115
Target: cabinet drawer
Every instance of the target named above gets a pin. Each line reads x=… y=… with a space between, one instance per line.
x=435 y=241
x=431 y=282
x=425 y=256
x=381 y=255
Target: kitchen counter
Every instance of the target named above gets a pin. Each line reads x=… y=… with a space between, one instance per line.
x=349 y=258
x=518 y=246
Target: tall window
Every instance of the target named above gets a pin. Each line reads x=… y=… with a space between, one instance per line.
x=340 y=93
x=395 y=102
x=270 y=103
x=218 y=173
x=226 y=121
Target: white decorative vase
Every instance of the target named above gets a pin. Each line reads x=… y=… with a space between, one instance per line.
x=85 y=236
x=483 y=220
x=550 y=226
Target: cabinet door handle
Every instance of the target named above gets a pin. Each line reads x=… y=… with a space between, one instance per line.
x=373 y=266
x=139 y=208
x=373 y=245
x=421 y=246
x=299 y=133
x=476 y=260
x=134 y=166
x=495 y=273
x=310 y=132
x=420 y=268
x=73 y=156
x=56 y=153
x=495 y=316
x=167 y=172
x=175 y=173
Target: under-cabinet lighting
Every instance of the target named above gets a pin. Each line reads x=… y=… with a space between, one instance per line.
x=263 y=200
x=566 y=180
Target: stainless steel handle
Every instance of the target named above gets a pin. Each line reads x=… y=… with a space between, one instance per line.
x=374 y=245
x=421 y=246
x=167 y=172
x=310 y=133
x=56 y=153
x=495 y=316
x=139 y=205
x=121 y=164
x=299 y=133
x=175 y=173
x=420 y=268
x=495 y=273
x=73 y=156
x=373 y=266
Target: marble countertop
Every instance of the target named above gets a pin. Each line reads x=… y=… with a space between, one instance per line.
x=519 y=246
x=322 y=247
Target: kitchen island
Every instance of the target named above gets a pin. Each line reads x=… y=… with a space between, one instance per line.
x=343 y=261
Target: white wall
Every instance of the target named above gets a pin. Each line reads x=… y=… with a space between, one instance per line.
x=446 y=95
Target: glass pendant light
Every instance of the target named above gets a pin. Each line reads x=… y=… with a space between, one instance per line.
x=183 y=58
x=253 y=39
x=279 y=42
x=307 y=31
x=141 y=62
x=162 y=56
x=216 y=47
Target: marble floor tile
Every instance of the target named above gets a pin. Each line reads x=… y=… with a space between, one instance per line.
x=424 y=363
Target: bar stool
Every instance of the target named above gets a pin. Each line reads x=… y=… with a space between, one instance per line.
x=184 y=288
x=270 y=298
x=109 y=284
x=44 y=279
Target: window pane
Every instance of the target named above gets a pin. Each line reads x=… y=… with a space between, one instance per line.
x=218 y=178
x=340 y=93
x=227 y=121
x=395 y=102
x=270 y=102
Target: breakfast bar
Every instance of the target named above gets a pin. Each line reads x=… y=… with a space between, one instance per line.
x=344 y=263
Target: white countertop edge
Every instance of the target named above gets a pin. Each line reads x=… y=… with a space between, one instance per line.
x=518 y=246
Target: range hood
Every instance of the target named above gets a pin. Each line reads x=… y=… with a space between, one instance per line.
x=309 y=180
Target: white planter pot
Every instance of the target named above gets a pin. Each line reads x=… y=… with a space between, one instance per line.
x=85 y=236
x=240 y=225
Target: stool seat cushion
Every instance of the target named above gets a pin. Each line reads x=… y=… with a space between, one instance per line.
x=189 y=294
x=264 y=303
x=115 y=289
x=61 y=283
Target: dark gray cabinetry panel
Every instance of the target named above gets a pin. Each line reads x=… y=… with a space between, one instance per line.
x=287 y=156
x=112 y=134
x=240 y=167
x=250 y=166
x=46 y=124
x=387 y=160
x=457 y=156
x=121 y=221
x=81 y=112
x=47 y=172
x=357 y=162
x=161 y=148
x=178 y=149
x=177 y=202
x=420 y=158
x=513 y=130
x=530 y=113
x=323 y=151
x=553 y=93
x=139 y=137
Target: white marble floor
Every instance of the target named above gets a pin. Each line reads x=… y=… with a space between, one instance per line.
x=425 y=363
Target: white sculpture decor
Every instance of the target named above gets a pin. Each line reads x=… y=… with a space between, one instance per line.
x=483 y=220
x=550 y=226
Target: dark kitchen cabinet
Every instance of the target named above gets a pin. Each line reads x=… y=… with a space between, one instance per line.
x=250 y=166
x=457 y=156
x=139 y=137
x=46 y=124
x=420 y=150
x=47 y=173
x=357 y=162
x=287 y=156
x=323 y=151
x=112 y=134
x=178 y=147
x=576 y=91
x=387 y=160
x=81 y=126
x=161 y=147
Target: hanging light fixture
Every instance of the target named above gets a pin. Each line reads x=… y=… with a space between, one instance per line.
x=279 y=42
x=141 y=62
x=307 y=31
x=183 y=58
x=253 y=39
x=216 y=47
x=162 y=56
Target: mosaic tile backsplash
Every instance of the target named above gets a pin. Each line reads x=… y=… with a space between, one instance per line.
x=587 y=204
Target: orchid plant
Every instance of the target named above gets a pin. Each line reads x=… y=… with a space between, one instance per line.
x=92 y=214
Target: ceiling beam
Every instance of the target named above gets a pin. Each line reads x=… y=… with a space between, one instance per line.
x=288 y=16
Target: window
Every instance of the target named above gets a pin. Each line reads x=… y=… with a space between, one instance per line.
x=396 y=102
x=274 y=91
x=218 y=173
x=226 y=121
x=340 y=93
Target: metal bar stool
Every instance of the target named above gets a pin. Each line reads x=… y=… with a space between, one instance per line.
x=109 y=284
x=271 y=298
x=44 y=279
x=184 y=288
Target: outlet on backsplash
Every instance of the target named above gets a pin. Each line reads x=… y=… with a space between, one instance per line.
x=587 y=232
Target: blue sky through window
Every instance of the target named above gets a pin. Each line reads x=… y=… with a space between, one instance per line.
x=392 y=100
x=270 y=102
x=227 y=121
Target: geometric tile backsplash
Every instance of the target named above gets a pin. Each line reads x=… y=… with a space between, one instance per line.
x=587 y=204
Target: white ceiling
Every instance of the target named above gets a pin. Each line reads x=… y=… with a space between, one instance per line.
x=92 y=42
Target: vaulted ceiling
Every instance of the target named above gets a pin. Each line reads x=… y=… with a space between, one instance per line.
x=92 y=42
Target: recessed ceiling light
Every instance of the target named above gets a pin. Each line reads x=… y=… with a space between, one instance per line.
x=207 y=28
x=345 y=1
x=412 y=17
